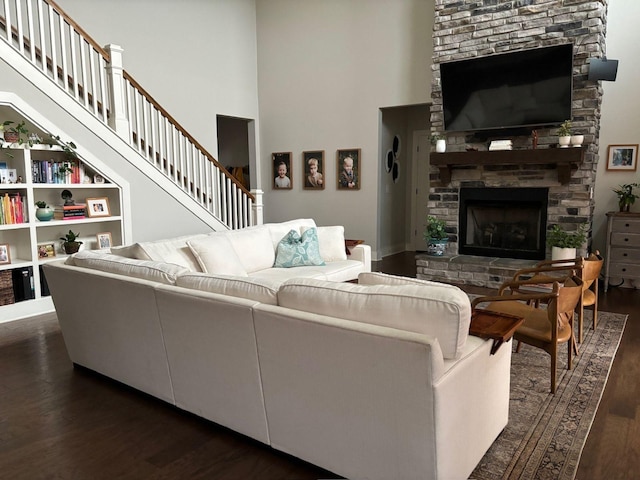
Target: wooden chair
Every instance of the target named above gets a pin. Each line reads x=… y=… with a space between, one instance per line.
x=588 y=270
x=548 y=316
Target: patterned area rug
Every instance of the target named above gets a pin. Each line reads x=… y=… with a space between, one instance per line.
x=546 y=433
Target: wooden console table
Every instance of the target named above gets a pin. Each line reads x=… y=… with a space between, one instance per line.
x=565 y=160
x=499 y=327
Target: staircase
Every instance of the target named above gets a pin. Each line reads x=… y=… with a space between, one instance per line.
x=40 y=33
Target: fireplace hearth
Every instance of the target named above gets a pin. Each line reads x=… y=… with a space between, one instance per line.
x=503 y=222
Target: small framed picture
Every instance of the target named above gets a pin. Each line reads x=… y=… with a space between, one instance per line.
x=5 y=253
x=46 y=250
x=98 y=207
x=282 y=172
x=622 y=158
x=348 y=168
x=104 y=240
x=98 y=179
x=313 y=168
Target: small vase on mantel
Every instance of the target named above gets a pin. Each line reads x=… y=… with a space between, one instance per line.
x=441 y=145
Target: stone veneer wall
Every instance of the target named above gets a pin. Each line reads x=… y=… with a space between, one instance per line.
x=471 y=28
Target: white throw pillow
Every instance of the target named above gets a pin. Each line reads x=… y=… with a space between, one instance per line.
x=253 y=247
x=331 y=240
x=279 y=230
x=443 y=313
x=259 y=289
x=216 y=255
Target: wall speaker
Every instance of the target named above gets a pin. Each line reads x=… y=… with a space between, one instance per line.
x=603 y=69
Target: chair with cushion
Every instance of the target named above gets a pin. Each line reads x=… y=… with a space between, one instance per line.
x=548 y=316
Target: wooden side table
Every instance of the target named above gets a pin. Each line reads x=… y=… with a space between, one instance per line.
x=499 y=327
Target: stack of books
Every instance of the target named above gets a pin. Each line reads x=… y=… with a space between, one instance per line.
x=501 y=145
x=69 y=212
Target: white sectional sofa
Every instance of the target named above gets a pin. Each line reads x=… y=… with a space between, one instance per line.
x=378 y=379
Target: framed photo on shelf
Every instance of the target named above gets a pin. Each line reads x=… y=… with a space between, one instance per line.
x=5 y=254
x=104 y=240
x=282 y=171
x=98 y=207
x=313 y=168
x=622 y=158
x=348 y=168
x=46 y=250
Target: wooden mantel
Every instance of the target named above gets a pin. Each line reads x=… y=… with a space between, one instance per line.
x=564 y=158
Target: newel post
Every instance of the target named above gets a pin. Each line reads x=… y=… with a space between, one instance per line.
x=118 y=118
x=257 y=207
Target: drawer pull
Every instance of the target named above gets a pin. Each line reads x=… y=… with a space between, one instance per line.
x=626 y=239
x=624 y=254
x=624 y=269
x=626 y=225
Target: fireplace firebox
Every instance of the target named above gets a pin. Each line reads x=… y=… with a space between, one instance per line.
x=503 y=222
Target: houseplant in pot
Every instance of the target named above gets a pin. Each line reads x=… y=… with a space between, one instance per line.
x=626 y=197
x=44 y=213
x=435 y=236
x=563 y=243
x=440 y=142
x=564 y=134
x=71 y=244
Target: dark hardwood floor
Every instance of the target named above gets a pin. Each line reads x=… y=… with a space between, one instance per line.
x=61 y=422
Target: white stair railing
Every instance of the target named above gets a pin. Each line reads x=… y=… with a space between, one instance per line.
x=93 y=76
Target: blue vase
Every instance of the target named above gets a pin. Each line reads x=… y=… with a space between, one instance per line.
x=44 y=214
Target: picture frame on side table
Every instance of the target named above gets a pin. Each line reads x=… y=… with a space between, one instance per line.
x=313 y=168
x=282 y=171
x=104 y=240
x=622 y=158
x=98 y=207
x=5 y=254
x=46 y=250
x=348 y=168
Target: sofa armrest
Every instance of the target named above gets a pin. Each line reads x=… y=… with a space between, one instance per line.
x=361 y=253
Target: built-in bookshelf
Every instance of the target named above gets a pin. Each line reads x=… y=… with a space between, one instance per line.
x=42 y=173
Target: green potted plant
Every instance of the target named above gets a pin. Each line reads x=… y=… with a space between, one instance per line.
x=439 y=141
x=436 y=236
x=564 y=134
x=626 y=197
x=71 y=243
x=44 y=213
x=564 y=243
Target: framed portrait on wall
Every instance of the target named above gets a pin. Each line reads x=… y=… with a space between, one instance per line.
x=282 y=172
x=622 y=158
x=313 y=167
x=348 y=168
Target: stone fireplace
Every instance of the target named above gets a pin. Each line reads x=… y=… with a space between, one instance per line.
x=464 y=29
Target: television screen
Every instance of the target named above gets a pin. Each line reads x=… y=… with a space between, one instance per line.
x=526 y=88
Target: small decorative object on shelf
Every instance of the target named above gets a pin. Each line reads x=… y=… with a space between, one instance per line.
x=626 y=197
x=440 y=141
x=436 y=236
x=564 y=134
x=5 y=254
x=98 y=207
x=44 y=213
x=104 y=240
x=46 y=250
x=71 y=243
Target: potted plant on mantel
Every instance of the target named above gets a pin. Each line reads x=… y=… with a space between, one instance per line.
x=440 y=142
x=436 y=236
x=564 y=134
x=71 y=243
x=564 y=244
x=626 y=197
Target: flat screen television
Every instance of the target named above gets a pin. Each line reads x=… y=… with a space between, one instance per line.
x=526 y=88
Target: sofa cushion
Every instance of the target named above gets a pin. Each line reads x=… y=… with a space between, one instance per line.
x=331 y=240
x=296 y=250
x=279 y=230
x=444 y=313
x=259 y=289
x=253 y=247
x=152 y=270
x=378 y=278
x=216 y=255
x=171 y=250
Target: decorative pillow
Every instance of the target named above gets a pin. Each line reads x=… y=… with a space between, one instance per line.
x=216 y=255
x=331 y=240
x=296 y=250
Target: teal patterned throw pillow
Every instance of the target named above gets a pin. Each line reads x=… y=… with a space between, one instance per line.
x=297 y=251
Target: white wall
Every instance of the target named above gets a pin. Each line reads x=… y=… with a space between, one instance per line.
x=325 y=69
x=620 y=120
x=196 y=58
